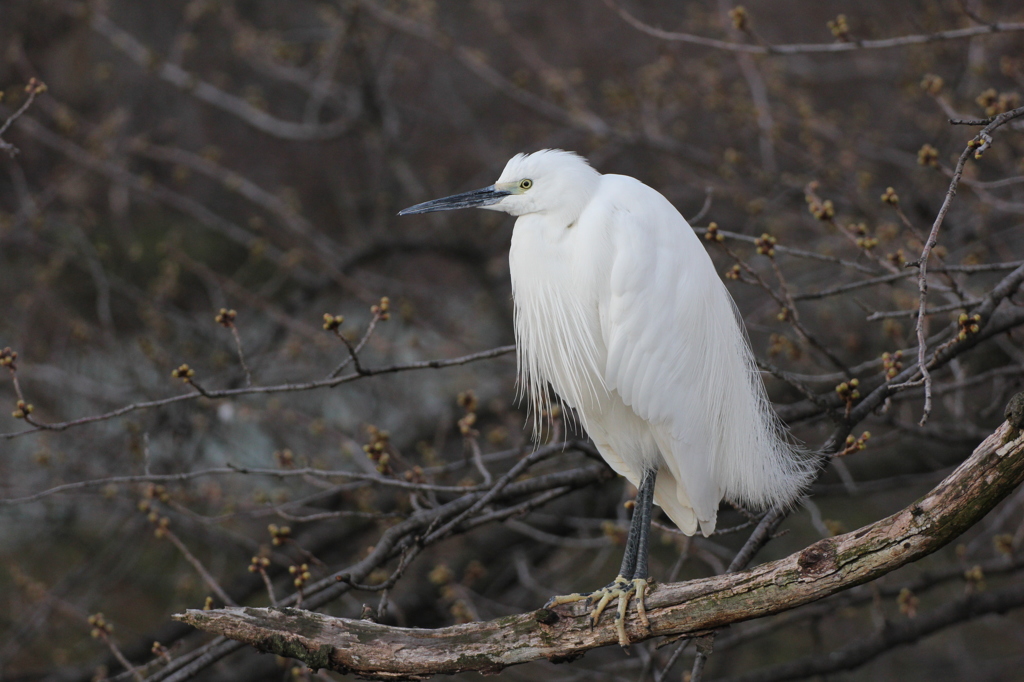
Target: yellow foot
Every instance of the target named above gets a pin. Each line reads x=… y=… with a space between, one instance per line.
x=620 y=589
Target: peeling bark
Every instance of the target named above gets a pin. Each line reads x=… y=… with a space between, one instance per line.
x=828 y=566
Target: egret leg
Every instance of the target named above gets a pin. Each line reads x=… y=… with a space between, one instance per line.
x=640 y=571
x=632 y=579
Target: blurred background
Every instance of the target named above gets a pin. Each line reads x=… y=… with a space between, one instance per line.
x=251 y=155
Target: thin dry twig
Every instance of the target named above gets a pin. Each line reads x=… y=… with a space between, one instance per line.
x=812 y=48
x=264 y=390
x=897 y=276
x=977 y=146
x=369 y=478
x=709 y=195
x=791 y=251
x=211 y=94
x=354 y=350
x=241 y=355
x=207 y=577
x=581 y=119
x=119 y=655
x=33 y=89
x=786 y=304
x=889 y=314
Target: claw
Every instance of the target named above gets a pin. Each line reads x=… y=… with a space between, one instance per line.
x=641 y=606
x=620 y=589
x=566 y=599
x=607 y=594
x=620 y=620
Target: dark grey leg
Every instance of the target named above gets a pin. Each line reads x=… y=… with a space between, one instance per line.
x=643 y=548
x=644 y=505
x=632 y=579
x=634 y=561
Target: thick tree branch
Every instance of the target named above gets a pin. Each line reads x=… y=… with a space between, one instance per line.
x=369 y=649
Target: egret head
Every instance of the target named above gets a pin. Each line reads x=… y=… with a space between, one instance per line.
x=549 y=181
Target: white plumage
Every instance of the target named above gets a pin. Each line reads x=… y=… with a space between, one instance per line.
x=620 y=310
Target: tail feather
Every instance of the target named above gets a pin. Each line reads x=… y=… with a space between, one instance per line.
x=752 y=459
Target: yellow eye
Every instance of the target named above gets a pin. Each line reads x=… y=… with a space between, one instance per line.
x=525 y=184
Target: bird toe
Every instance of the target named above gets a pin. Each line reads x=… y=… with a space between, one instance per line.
x=620 y=590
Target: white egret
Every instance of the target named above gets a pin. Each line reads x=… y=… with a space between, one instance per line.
x=619 y=309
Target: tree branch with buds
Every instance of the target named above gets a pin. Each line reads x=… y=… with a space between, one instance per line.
x=829 y=566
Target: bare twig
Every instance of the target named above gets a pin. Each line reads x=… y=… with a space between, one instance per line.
x=324 y=248
x=265 y=390
x=33 y=89
x=888 y=314
x=209 y=93
x=179 y=202
x=119 y=655
x=797 y=253
x=709 y=195
x=705 y=644
x=520 y=467
x=811 y=48
x=241 y=355
x=478 y=459
x=577 y=118
x=207 y=577
x=353 y=351
x=305 y=472
x=786 y=303
x=922 y=283
x=977 y=147
x=897 y=276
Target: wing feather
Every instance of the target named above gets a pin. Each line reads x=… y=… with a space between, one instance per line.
x=678 y=357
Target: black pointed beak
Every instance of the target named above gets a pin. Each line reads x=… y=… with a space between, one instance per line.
x=478 y=197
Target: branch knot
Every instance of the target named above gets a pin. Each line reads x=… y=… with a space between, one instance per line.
x=819 y=559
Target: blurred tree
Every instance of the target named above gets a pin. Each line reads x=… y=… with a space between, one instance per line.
x=200 y=182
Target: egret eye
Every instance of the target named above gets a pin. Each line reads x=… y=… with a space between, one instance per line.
x=525 y=184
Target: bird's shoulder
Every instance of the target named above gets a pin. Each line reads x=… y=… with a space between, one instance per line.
x=625 y=202
x=627 y=190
